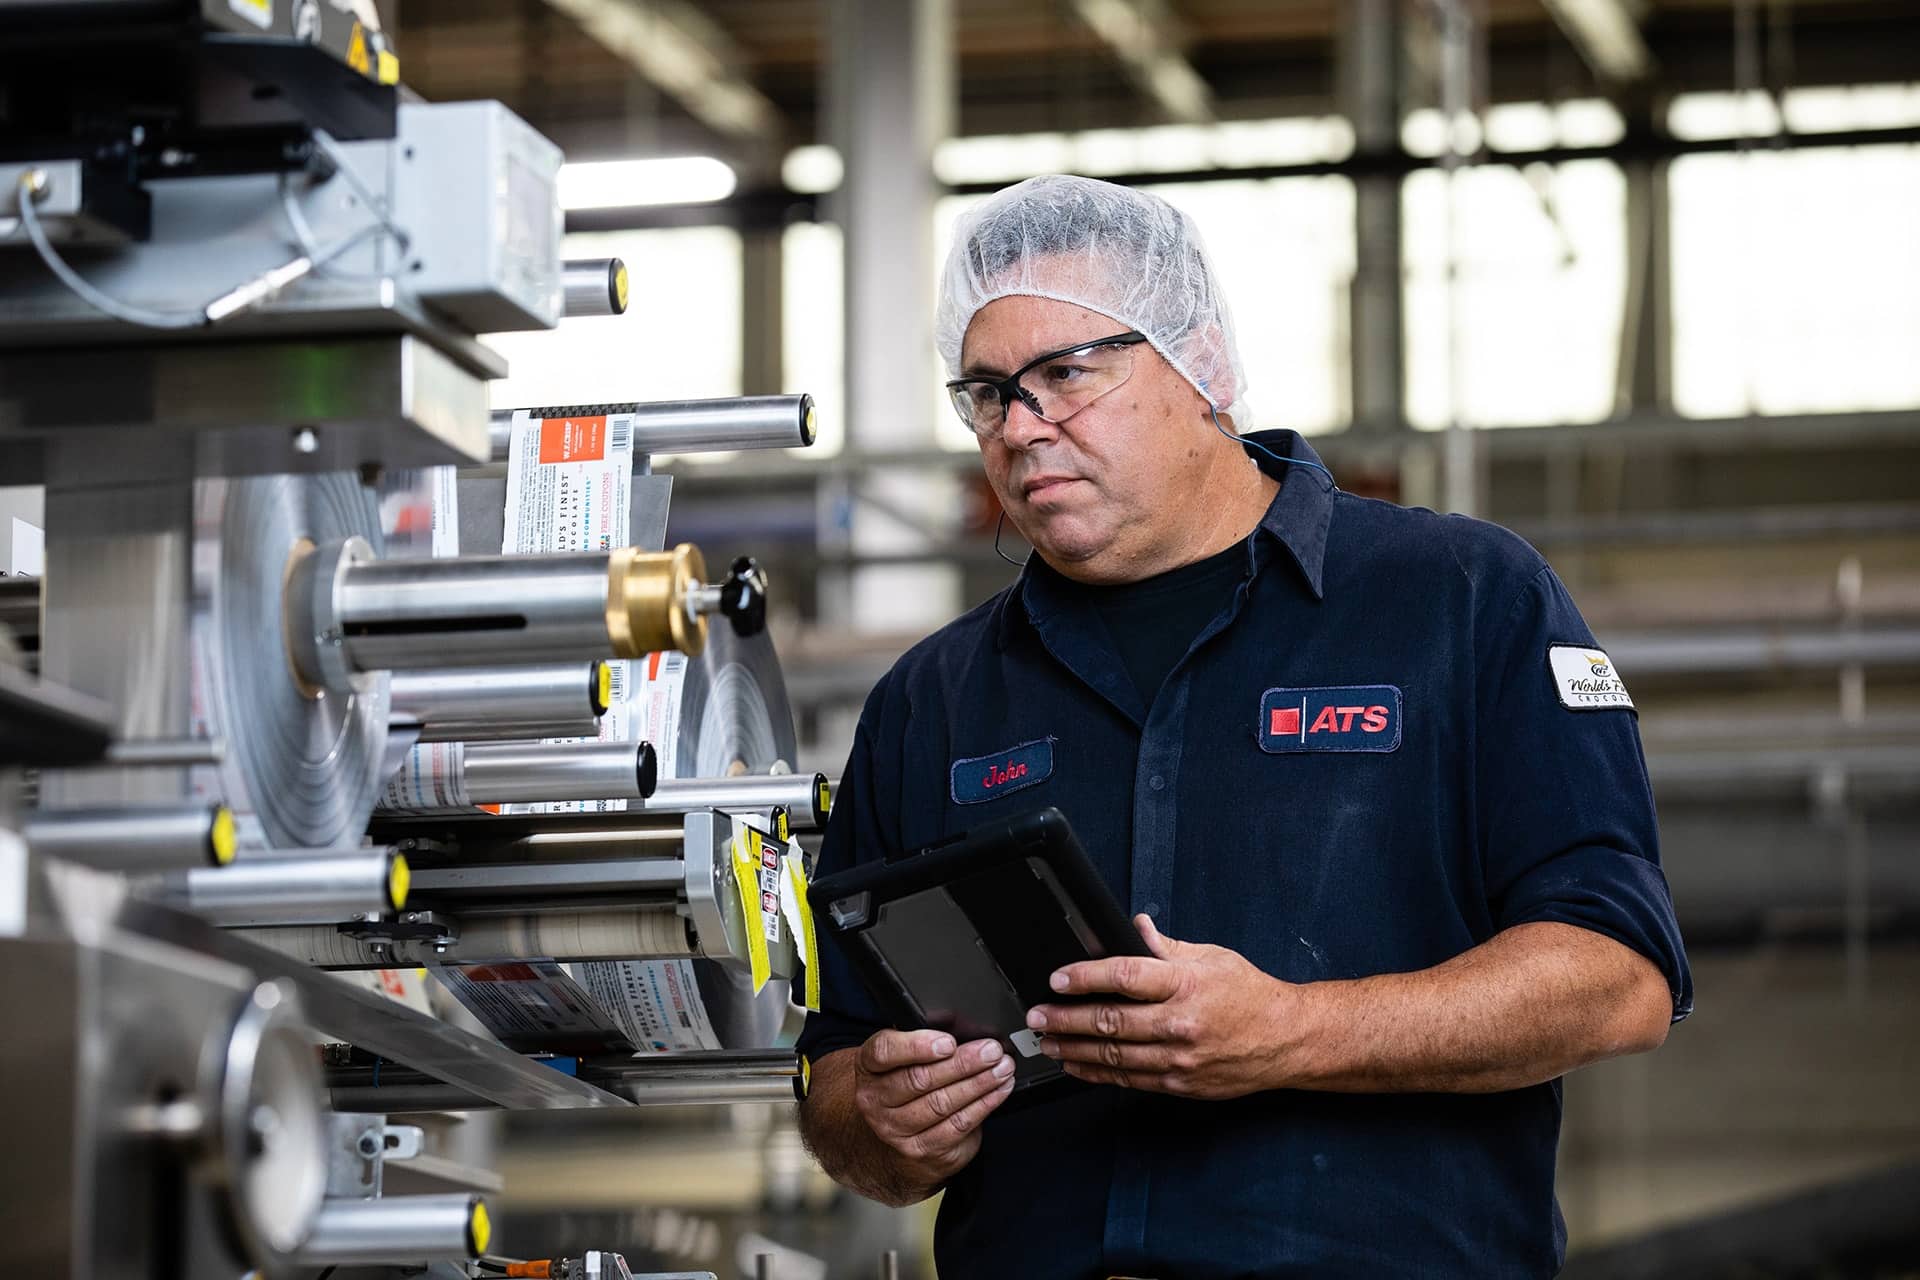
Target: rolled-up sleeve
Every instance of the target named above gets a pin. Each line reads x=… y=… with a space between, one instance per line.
x=1565 y=811
x=856 y=831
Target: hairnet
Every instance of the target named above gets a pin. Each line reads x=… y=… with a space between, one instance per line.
x=1111 y=249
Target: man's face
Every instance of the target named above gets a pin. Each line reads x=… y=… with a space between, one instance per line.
x=1103 y=495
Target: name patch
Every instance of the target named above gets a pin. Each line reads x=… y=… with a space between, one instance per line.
x=1363 y=717
x=982 y=778
x=1585 y=679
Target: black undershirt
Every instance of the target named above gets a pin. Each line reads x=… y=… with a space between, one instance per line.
x=1154 y=621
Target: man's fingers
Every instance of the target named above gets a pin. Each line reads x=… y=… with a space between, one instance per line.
x=1139 y=977
x=951 y=1132
x=1123 y=1079
x=902 y=1085
x=933 y=1109
x=1112 y=1054
x=888 y=1050
x=1114 y=1021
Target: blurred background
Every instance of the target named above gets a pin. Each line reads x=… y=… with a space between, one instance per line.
x=1639 y=280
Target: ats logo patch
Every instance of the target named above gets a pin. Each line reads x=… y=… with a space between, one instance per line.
x=1363 y=717
x=978 y=779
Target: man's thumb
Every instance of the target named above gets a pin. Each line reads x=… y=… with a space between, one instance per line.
x=1163 y=947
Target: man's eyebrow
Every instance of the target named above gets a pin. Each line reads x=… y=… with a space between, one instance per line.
x=980 y=371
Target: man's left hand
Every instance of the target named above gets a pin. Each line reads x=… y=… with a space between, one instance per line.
x=1195 y=1020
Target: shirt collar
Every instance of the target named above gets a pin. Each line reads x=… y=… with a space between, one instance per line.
x=1297 y=518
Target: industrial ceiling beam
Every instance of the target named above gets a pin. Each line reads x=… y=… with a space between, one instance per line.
x=682 y=52
x=1607 y=35
x=1143 y=35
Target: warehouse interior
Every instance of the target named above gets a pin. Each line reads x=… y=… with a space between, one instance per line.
x=1637 y=279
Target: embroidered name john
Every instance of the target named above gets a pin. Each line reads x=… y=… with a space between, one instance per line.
x=981 y=778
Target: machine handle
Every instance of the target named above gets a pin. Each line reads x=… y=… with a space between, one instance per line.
x=743 y=597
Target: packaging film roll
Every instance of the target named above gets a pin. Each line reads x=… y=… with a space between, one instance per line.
x=302 y=766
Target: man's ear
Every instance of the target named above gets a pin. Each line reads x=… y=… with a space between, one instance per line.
x=1205 y=352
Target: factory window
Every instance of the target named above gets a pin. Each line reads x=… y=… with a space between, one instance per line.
x=1525 y=328
x=1283 y=249
x=1796 y=274
x=680 y=339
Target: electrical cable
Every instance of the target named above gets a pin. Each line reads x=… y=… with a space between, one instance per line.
x=1332 y=484
x=127 y=312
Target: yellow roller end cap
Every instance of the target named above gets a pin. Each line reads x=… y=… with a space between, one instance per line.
x=602 y=688
x=387 y=68
x=620 y=288
x=224 y=840
x=399 y=880
x=826 y=796
x=479 y=1228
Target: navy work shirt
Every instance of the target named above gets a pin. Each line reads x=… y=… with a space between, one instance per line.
x=1397 y=740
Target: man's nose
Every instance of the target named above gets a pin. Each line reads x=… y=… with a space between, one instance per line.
x=1023 y=427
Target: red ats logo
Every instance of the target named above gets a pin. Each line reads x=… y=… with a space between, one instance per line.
x=1332 y=719
x=1349 y=718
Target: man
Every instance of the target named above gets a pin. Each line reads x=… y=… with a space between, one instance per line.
x=1372 y=791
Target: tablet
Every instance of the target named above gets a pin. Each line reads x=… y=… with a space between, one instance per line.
x=962 y=935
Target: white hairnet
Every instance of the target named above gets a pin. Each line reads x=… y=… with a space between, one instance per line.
x=1111 y=249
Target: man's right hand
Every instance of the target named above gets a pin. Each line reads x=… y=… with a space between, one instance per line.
x=926 y=1097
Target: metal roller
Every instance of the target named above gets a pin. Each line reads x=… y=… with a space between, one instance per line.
x=680 y=1079
x=806 y=797
x=593 y=287
x=349 y=614
x=398 y=1231
x=687 y=426
x=321 y=889
x=142 y=839
x=601 y=934
x=531 y=772
x=503 y=704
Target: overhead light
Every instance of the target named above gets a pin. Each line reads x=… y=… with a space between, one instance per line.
x=1607 y=36
x=812 y=170
x=623 y=184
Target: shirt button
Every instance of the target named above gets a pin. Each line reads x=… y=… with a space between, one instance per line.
x=1153 y=908
x=1157 y=782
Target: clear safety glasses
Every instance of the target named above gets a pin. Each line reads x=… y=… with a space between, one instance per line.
x=1053 y=387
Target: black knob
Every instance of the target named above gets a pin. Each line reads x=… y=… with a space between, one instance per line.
x=646 y=769
x=743 y=597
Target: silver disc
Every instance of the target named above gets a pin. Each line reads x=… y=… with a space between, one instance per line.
x=305 y=768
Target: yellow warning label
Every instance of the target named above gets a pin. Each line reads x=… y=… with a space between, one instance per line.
x=357 y=56
x=809 y=946
x=746 y=879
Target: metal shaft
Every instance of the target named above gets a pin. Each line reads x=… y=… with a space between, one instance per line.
x=144 y=839
x=689 y=426
x=632 y=933
x=804 y=795
x=530 y=772
x=678 y=1079
x=462 y=888
x=593 y=287
x=398 y=1230
x=322 y=889
x=351 y=614
x=503 y=703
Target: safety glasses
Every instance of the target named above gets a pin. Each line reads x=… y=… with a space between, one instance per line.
x=1053 y=387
